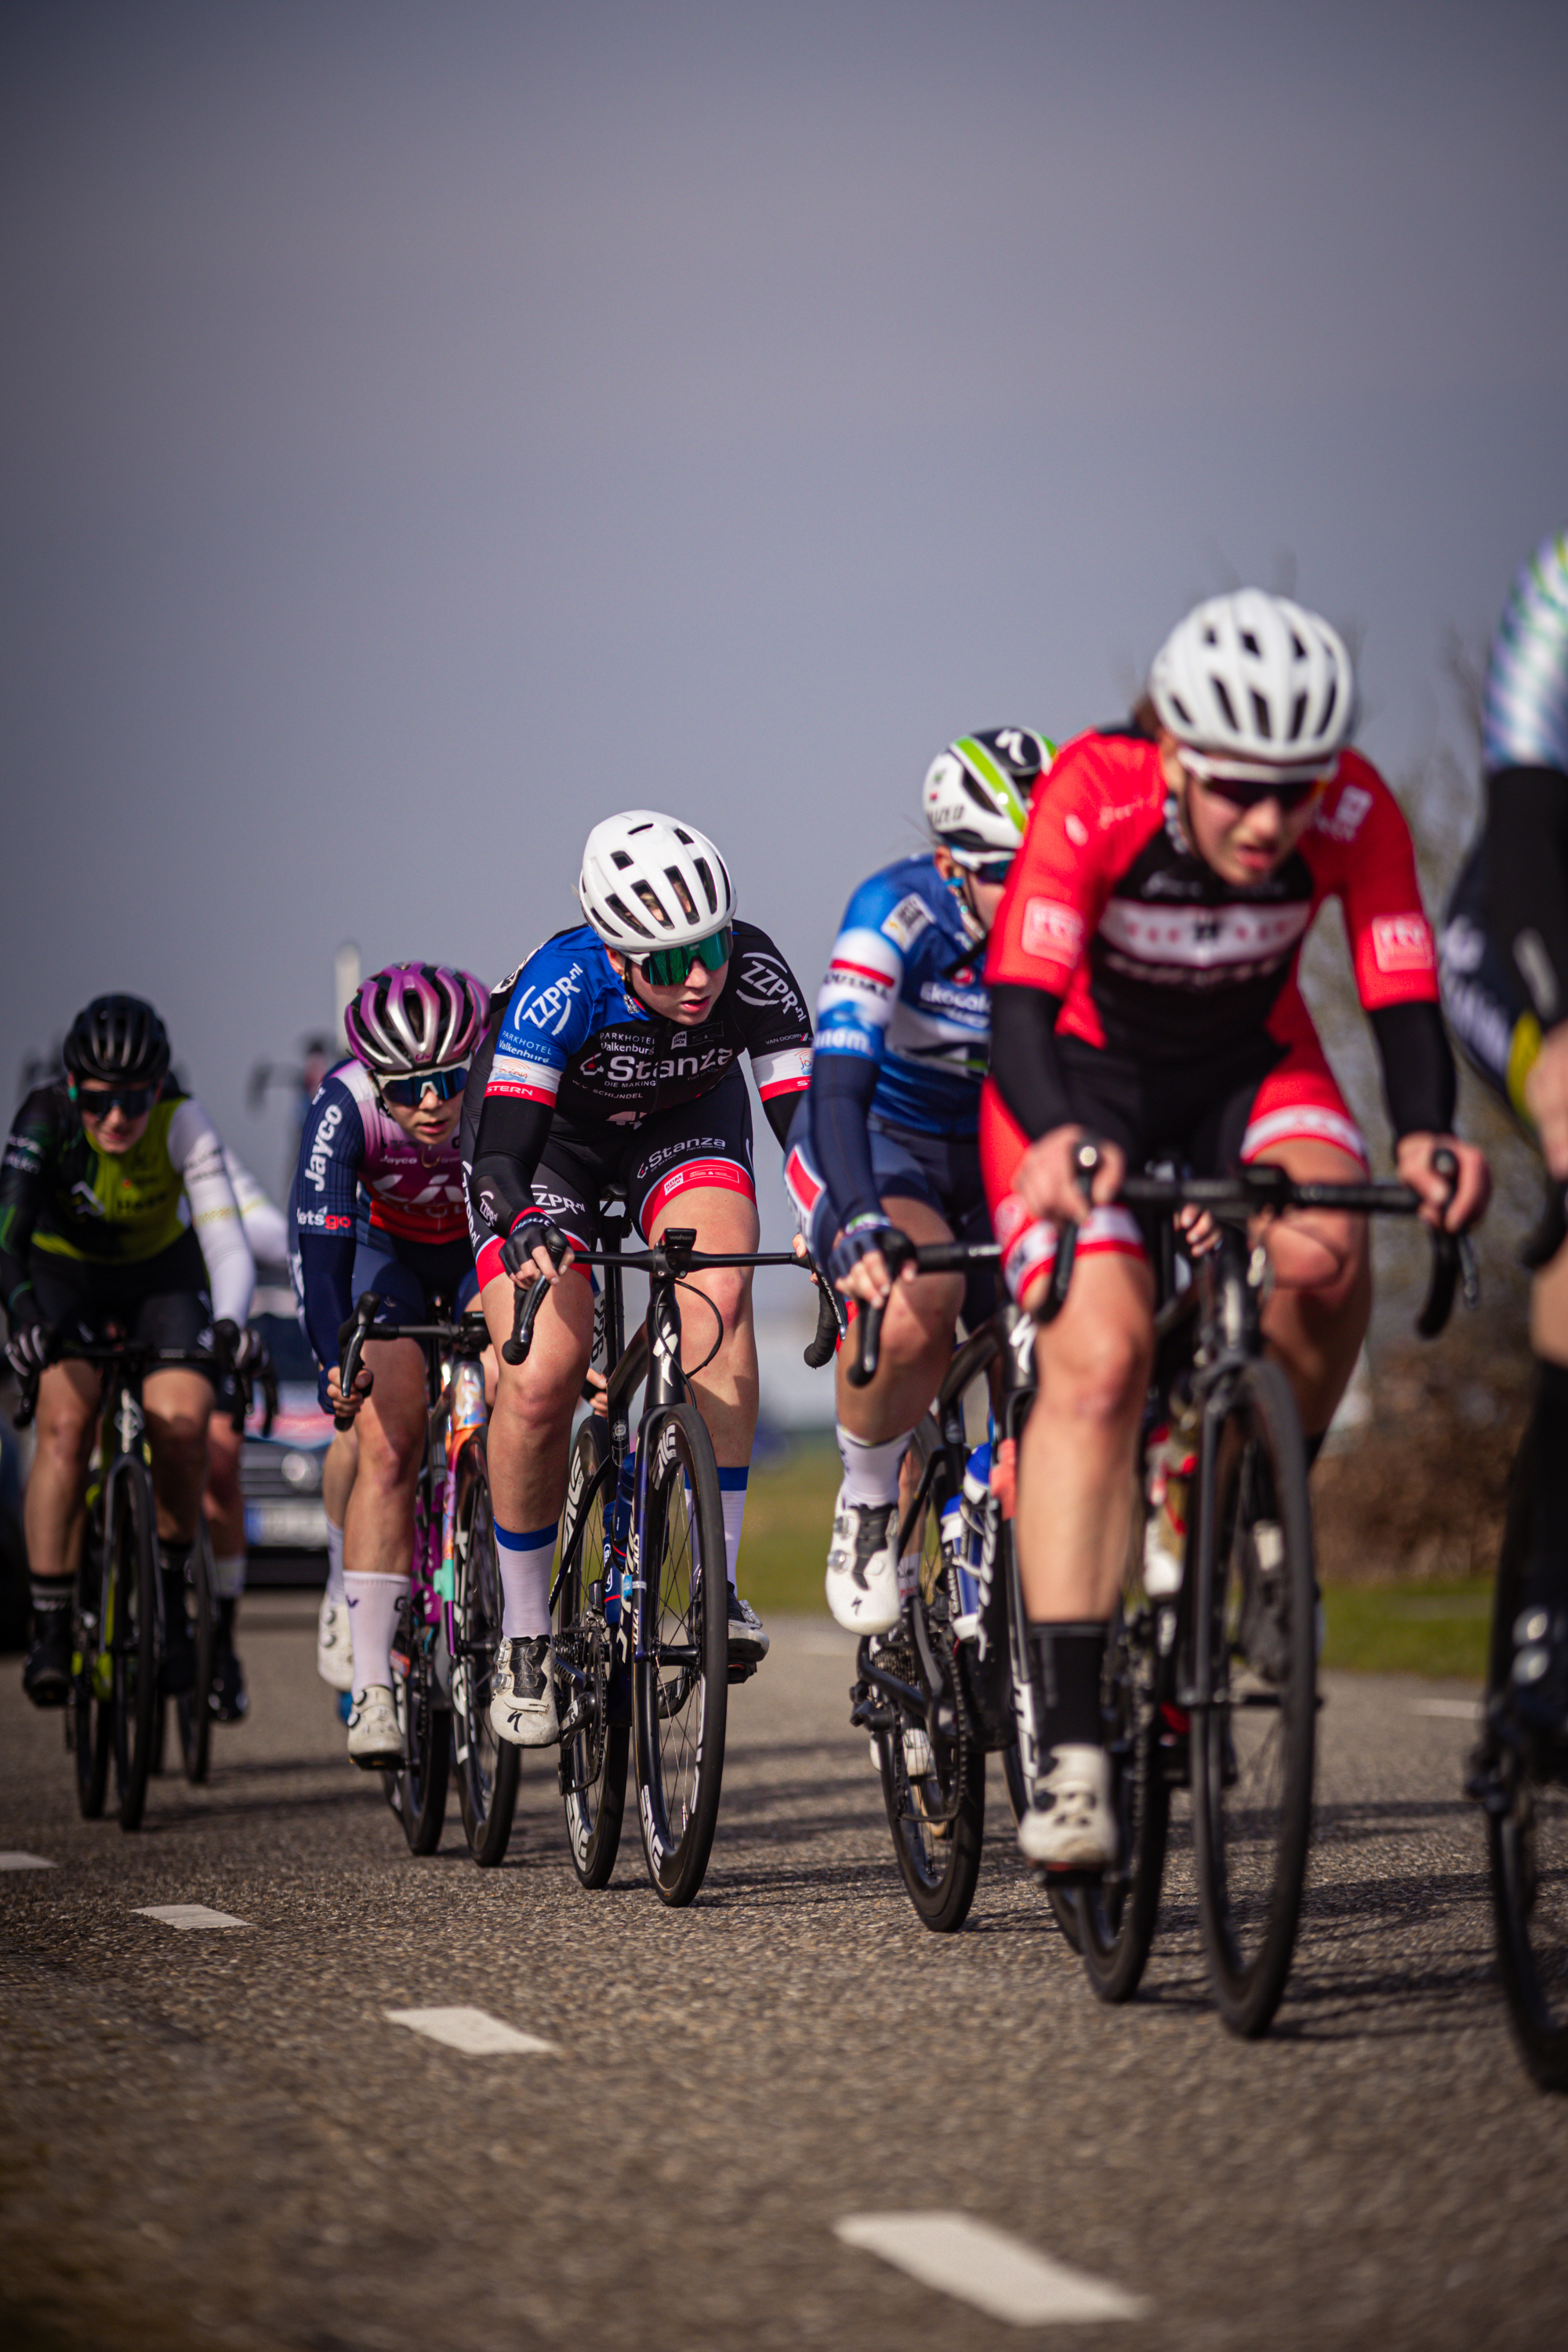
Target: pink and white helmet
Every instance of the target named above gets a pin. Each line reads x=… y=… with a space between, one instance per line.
x=415 y=1016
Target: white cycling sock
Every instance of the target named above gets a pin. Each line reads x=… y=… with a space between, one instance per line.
x=228 y=1576
x=525 y=1562
x=334 y=1562
x=732 y=1494
x=871 y=1472
x=373 y=1615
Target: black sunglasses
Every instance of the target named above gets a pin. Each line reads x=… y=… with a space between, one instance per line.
x=409 y=1093
x=97 y=1102
x=1252 y=793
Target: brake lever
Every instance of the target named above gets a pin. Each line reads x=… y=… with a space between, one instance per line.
x=1086 y=1168
x=821 y=1347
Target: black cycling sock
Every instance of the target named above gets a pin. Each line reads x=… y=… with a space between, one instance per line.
x=1066 y=1660
x=51 y=1595
x=1546 y=1568
x=226 y=1610
x=176 y=1559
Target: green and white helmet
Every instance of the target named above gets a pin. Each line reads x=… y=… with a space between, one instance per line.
x=977 y=792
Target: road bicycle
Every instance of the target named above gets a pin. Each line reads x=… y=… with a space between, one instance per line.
x=638 y=1602
x=114 y=1715
x=1520 y=1780
x=1211 y=1683
x=449 y=1621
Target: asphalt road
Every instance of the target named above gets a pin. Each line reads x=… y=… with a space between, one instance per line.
x=217 y=2137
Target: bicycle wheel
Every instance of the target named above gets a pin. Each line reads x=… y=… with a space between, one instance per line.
x=933 y=1774
x=589 y=1657
x=680 y=1687
x=1252 y=1747
x=488 y=1767
x=193 y=1708
x=89 y=1720
x=416 y=1789
x=130 y=1633
x=1116 y=1913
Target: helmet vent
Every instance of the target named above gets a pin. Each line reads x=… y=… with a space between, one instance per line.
x=623 y=913
x=1328 y=707
x=1260 y=717
x=1250 y=645
x=705 y=876
x=676 y=881
x=1222 y=696
x=650 y=897
x=681 y=836
x=619 y=857
x=1298 y=714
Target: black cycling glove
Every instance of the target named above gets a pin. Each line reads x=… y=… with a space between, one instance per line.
x=533 y=1231
x=27 y=1349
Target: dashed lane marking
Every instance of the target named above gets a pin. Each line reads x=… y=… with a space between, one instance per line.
x=25 y=1861
x=473 y=2029
x=189 y=1914
x=1467 y=1708
x=983 y=2266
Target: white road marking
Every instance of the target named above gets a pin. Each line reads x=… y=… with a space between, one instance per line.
x=25 y=1861
x=474 y=2030
x=189 y=1914
x=1468 y=1708
x=978 y=2265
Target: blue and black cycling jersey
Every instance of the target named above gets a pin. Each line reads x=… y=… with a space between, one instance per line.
x=903 y=1025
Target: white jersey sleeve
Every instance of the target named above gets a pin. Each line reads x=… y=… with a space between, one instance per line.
x=265 y=1227
x=195 y=1152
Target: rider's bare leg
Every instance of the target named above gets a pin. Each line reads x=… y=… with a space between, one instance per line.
x=1316 y=1319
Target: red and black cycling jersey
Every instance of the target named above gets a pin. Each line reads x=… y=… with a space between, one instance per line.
x=1145 y=951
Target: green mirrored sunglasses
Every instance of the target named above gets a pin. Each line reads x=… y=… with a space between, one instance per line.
x=668 y=967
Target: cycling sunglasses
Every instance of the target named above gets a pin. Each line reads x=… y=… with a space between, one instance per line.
x=1252 y=793
x=995 y=870
x=97 y=1102
x=668 y=967
x=409 y=1093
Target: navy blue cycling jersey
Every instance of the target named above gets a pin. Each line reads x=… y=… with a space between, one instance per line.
x=904 y=993
x=360 y=1178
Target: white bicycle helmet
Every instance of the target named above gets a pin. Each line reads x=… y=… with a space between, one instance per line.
x=650 y=882
x=977 y=792
x=1255 y=689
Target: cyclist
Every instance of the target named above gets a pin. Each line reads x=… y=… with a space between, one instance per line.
x=886 y=1142
x=1143 y=987
x=616 y=1066
x=266 y=1237
x=1505 y=986
x=377 y=1204
x=97 y=1166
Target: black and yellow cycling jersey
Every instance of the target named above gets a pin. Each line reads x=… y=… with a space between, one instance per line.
x=64 y=1197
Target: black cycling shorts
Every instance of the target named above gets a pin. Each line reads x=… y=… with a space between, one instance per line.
x=702 y=1143
x=161 y=1301
x=417 y=1281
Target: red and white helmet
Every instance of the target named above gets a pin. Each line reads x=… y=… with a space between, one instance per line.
x=1255 y=689
x=415 y=1016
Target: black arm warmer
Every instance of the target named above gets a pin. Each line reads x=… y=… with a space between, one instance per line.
x=779 y=1111
x=506 y=1153
x=1024 y=1058
x=1418 y=1080
x=1527 y=880
x=842 y=1085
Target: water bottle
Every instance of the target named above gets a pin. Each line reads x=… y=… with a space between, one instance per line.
x=964 y=1518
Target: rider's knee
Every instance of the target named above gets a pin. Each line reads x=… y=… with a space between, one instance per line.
x=1103 y=1368
x=728 y=1291
x=919 y=1317
x=529 y=1410
x=390 y=1447
x=179 y=1441
x=1329 y=1265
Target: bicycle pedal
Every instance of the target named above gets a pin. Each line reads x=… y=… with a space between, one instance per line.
x=742 y=1673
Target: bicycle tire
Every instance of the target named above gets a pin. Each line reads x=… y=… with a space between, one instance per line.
x=679 y=1593
x=130 y=1551
x=1116 y=1915
x=1527 y=1833
x=932 y=1774
x=487 y=1769
x=1252 y=1747
x=193 y=1708
x=90 y=1723
x=416 y=1789
x=594 y=1754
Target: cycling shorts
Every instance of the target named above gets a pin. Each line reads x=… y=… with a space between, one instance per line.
x=941 y=1170
x=692 y=1144
x=1209 y=1116
x=417 y=1281
x=161 y=1301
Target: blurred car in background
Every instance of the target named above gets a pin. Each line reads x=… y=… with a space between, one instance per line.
x=281 y=1474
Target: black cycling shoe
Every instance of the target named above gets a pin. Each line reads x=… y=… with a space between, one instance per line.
x=179 y=1638
x=47 y=1676
x=228 y=1698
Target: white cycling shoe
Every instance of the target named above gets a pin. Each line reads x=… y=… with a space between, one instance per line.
x=522 y=1694
x=374 y=1740
x=335 y=1654
x=1069 y=1823
x=863 y=1566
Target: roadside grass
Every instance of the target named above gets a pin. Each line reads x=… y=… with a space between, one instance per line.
x=1437 y=1629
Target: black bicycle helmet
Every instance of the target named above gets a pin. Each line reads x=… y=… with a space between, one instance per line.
x=118 y=1040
